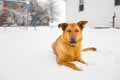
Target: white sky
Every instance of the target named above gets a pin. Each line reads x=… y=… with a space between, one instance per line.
x=42 y=0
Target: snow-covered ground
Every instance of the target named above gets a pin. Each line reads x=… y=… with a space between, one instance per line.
x=27 y=55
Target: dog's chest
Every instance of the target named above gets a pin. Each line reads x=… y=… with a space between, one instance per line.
x=72 y=52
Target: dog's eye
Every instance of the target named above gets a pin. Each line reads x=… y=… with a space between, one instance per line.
x=68 y=30
x=76 y=30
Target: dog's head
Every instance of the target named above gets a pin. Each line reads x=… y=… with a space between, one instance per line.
x=72 y=32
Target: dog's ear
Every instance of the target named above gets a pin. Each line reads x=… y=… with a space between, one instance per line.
x=81 y=24
x=63 y=26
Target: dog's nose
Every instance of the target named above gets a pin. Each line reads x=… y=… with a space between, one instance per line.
x=72 y=40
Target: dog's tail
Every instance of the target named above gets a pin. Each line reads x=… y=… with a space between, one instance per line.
x=89 y=49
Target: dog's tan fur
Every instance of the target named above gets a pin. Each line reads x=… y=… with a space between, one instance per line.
x=68 y=46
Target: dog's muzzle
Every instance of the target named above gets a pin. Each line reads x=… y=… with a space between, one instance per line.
x=73 y=41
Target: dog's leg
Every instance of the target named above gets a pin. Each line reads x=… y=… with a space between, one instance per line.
x=82 y=61
x=71 y=65
x=78 y=58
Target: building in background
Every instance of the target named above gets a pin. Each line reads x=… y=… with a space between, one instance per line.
x=99 y=13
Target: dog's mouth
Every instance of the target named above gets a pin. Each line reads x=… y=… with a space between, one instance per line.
x=73 y=43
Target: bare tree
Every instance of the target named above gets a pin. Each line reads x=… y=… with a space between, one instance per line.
x=52 y=10
x=14 y=12
x=38 y=12
x=43 y=13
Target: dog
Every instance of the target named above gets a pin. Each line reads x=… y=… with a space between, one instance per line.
x=68 y=47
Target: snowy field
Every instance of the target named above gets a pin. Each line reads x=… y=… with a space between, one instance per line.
x=27 y=55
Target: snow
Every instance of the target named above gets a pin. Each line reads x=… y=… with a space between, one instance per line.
x=27 y=55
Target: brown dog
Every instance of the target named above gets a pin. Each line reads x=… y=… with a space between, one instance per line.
x=68 y=46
